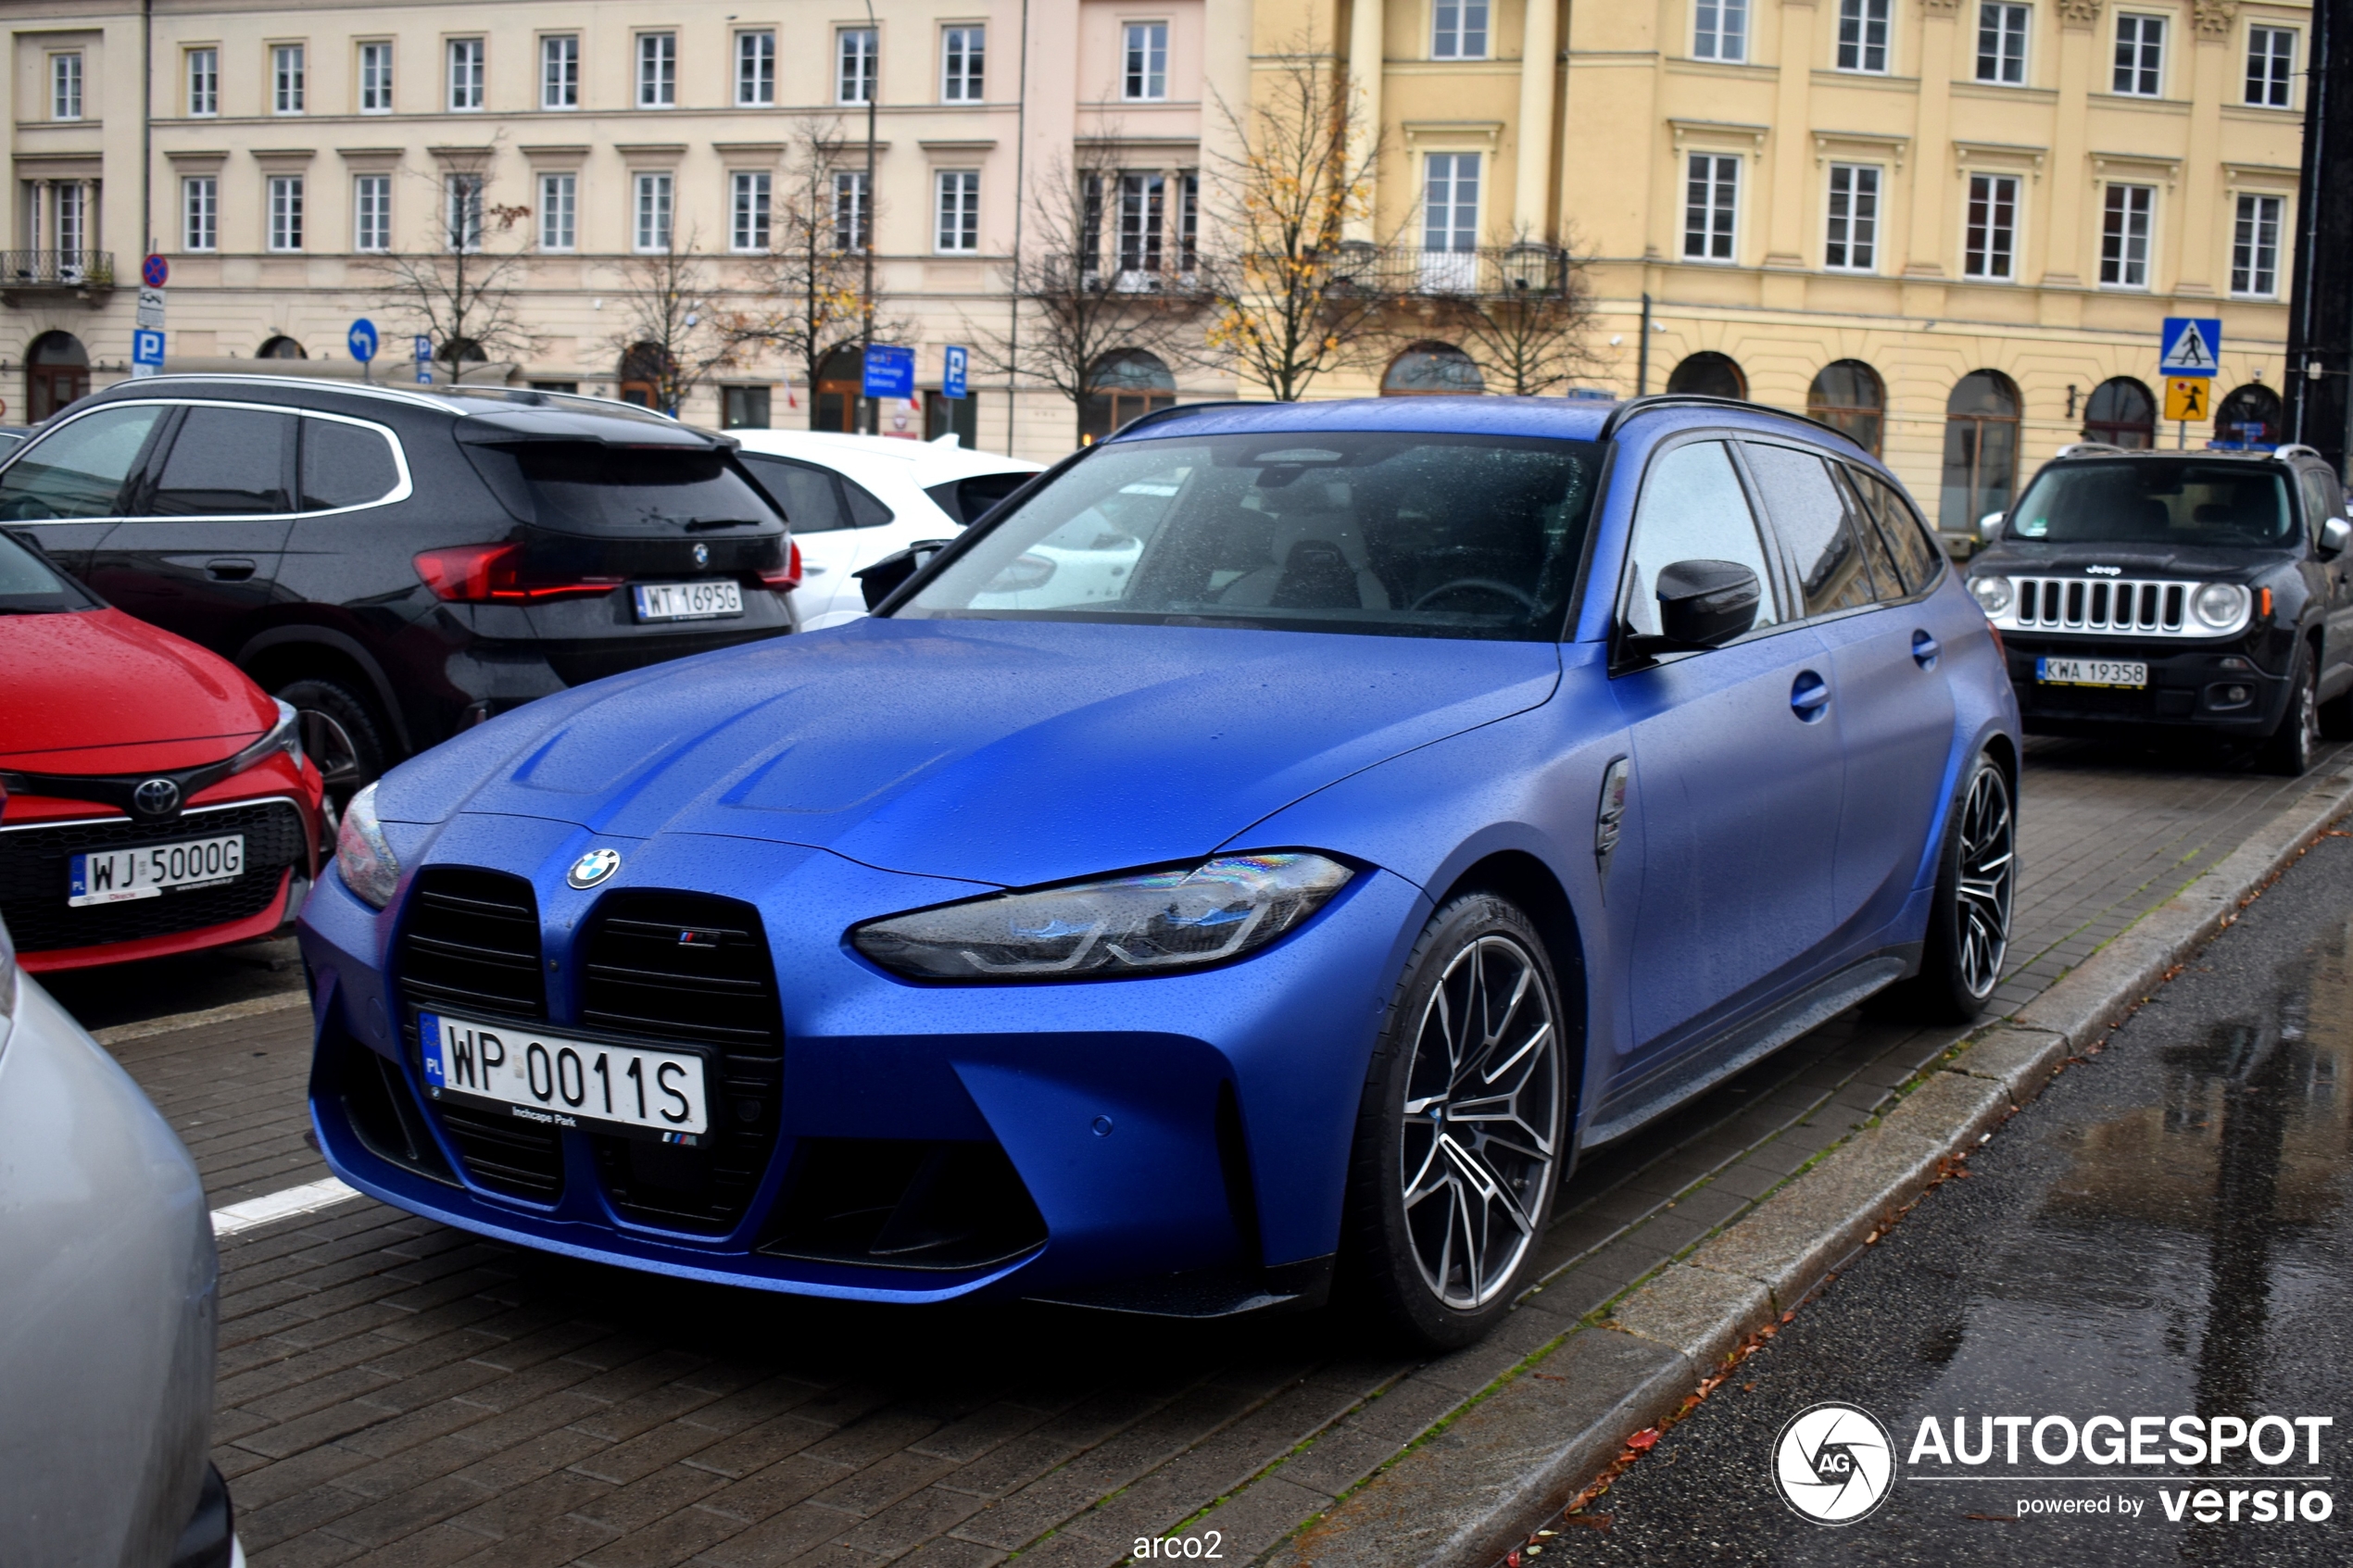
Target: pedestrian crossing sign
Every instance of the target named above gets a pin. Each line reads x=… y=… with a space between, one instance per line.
x=2189 y=397
x=2189 y=345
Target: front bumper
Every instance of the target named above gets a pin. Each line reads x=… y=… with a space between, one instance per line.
x=2215 y=689
x=1167 y=1130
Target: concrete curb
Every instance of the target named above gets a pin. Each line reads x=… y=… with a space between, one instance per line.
x=276 y=1002
x=1463 y=1497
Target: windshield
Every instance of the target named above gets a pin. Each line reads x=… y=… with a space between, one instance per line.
x=28 y=585
x=1396 y=534
x=630 y=489
x=2127 y=501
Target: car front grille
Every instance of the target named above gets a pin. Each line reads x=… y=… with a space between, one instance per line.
x=677 y=968
x=2128 y=606
x=35 y=871
x=470 y=943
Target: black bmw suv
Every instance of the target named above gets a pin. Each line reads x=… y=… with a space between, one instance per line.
x=2199 y=591
x=399 y=565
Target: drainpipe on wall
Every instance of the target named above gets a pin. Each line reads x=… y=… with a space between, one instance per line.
x=147 y=128
x=1021 y=204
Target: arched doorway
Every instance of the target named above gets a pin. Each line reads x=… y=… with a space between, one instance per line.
x=1127 y=385
x=642 y=375
x=1980 y=451
x=1432 y=370
x=2249 y=416
x=841 y=388
x=1709 y=374
x=56 y=370
x=1849 y=395
x=281 y=347
x=2123 y=413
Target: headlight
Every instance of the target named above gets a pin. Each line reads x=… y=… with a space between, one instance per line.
x=2219 y=604
x=1179 y=918
x=1993 y=595
x=361 y=854
x=284 y=736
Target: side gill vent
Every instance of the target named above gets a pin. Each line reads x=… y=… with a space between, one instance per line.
x=905 y=1204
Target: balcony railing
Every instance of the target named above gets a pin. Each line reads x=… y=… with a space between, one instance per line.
x=1490 y=271
x=57 y=268
x=1143 y=277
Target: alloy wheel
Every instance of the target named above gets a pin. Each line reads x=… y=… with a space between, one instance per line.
x=1988 y=876
x=331 y=749
x=1481 y=1128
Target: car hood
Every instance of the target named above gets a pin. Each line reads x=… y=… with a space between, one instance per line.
x=2028 y=558
x=1003 y=752
x=98 y=692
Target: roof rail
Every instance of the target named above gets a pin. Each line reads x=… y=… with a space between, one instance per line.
x=2295 y=449
x=1643 y=405
x=2087 y=448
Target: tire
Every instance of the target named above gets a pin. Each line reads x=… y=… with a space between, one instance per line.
x=1425 y=1249
x=1969 y=926
x=2288 y=749
x=2337 y=717
x=340 y=733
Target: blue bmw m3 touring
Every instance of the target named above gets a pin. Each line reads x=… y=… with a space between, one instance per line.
x=1261 y=854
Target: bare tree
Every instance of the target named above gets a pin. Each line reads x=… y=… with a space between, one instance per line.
x=1528 y=323
x=1292 y=300
x=462 y=293
x=668 y=332
x=1081 y=304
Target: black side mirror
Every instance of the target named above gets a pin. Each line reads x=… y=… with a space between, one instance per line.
x=881 y=579
x=1704 y=604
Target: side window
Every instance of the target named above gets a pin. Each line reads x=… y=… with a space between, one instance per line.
x=2320 y=501
x=1810 y=515
x=1692 y=509
x=79 y=468
x=1886 y=576
x=865 y=510
x=225 y=463
x=811 y=504
x=1916 y=555
x=344 y=465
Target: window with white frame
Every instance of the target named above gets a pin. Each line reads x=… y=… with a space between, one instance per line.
x=755 y=69
x=747 y=211
x=1144 y=78
x=2140 y=55
x=2255 y=248
x=1187 y=221
x=2271 y=67
x=559 y=211
x=1143 y=213
x=854 y=62
x=287 y=84
x=286 y=212
x=560 y=71
x=1989 y=246
x=64 y=86
x=650 y=231
x=963 y=54
x=656 y=70
x=73 y=221
x=2124 y=235
x=957 y=233
x=200 y=212
x=204 y=82
x=1720 y=30
x=1850 y=244
x=1711 y=206
x=461 y=211
x=2001 y=44
x=850 y=210
x=1450 y=202
x=1458 y=29
x=1862 y=35
x=466 y=74
x=375 y=77
x=371 y=212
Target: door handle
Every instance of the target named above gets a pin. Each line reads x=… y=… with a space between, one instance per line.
x=229 y=569
x=1924 y=650
x=1810 y=696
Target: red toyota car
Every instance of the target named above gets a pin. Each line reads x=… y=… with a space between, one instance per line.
x=153 y=799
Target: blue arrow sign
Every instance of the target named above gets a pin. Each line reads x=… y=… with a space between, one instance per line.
x=951 y=384
x=147 y=347
x=362 y=338
x=891 y=372
x=2189 y=345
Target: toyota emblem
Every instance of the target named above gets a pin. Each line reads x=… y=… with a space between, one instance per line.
x=593 y=868
x=156 y=798
x=702 y=555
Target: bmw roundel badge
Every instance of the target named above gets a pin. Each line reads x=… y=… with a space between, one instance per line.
x=593 y=868
x=702 y=555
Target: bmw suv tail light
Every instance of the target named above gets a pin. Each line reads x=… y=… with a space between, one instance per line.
x=787 y=578
x=493 y=574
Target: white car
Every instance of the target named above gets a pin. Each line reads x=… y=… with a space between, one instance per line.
x=855 y=499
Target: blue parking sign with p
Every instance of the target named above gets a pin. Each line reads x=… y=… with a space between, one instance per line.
x=147 y=347
x=952 y=381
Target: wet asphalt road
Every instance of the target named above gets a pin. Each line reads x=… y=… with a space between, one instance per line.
x=2166 y=1232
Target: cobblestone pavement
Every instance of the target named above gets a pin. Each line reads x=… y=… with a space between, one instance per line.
x=394 y=1392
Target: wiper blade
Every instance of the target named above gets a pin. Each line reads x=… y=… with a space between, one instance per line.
x=723 y=522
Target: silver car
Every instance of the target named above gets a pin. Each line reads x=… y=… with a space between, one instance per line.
x=108 y=1306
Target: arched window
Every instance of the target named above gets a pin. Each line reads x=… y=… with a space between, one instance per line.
x=2249 y=416
x=841 y=387
x=642 y=376
x=1432 y=370
x=1849 y=395
x=281 y=347
x=1127 y=385
x=56 y=370
x=1980 y=451
x=2123 y=413
x=1709 y=374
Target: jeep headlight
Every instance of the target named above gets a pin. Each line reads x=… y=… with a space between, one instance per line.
x=362 y=856
x=2220 y=605
x=1993 y=596
x=1181 y=917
